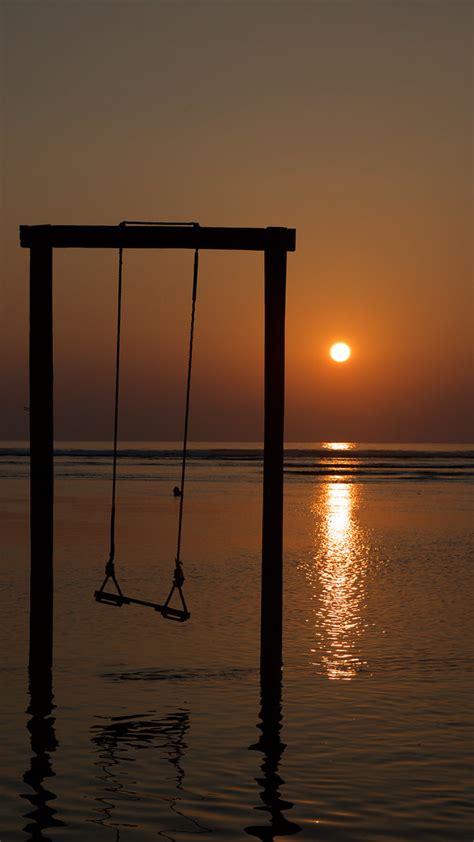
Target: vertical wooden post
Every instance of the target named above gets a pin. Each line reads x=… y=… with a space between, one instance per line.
x=272 y=533
x=41 y=463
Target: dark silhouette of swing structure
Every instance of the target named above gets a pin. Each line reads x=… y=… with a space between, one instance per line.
x=117 y=597
x=275 y=243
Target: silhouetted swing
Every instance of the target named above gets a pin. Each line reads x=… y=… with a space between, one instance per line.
x=119 y=598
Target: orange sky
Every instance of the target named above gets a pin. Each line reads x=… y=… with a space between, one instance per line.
x=349 y=121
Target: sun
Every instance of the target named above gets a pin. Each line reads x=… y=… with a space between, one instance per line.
x=340 y=352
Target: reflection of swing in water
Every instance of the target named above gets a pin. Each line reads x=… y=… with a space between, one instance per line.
x=118 y=598
x=123 y=734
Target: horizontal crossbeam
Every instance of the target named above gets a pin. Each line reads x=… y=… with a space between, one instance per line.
x=155 y=236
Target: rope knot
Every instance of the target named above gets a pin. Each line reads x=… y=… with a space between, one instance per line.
x=178 y=577
x=110 y=569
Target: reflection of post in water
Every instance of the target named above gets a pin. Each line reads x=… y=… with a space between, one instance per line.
x=43 y=743
x=272 y=747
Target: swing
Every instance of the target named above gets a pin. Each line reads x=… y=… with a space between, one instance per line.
x=118 y=598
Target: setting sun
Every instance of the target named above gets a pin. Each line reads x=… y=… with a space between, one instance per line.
x=340 y=352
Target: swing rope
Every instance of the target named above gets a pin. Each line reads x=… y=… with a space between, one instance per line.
x=178 y=576
x=110 y=566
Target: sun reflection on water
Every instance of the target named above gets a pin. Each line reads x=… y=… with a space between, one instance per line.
x=337 y=576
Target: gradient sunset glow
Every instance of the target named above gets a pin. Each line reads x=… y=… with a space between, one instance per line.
x=360 y=140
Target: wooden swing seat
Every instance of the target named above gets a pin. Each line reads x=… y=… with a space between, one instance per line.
x=110 y=598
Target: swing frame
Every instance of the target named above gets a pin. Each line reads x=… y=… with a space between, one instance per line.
x=41 y=240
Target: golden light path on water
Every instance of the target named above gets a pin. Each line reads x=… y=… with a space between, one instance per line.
x=337 y=576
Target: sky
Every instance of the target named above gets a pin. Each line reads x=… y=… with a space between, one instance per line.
x=348 y=120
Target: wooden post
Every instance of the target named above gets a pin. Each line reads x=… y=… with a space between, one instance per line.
x=41 y=463
x=272 y=534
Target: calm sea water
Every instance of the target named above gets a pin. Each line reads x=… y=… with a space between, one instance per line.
x=156 y=730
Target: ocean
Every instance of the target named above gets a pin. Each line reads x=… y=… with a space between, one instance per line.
x=156 y=729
